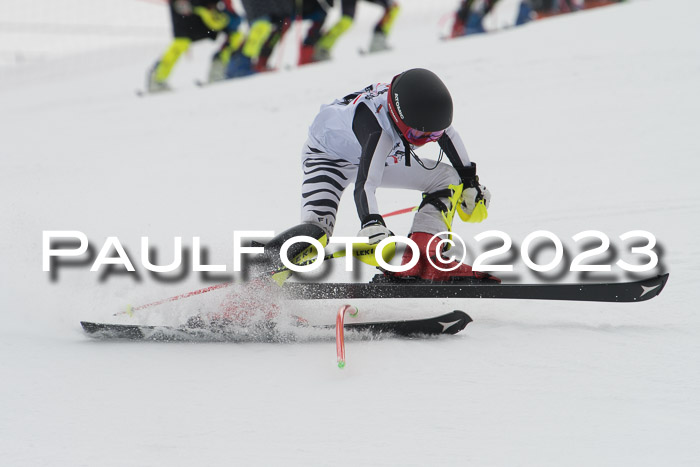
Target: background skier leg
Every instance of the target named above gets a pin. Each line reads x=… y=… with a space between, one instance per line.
x=158 y=75
x=260 y=14
x=316 y=13
x=192 y=21
x=384 y=26
x=234 y=41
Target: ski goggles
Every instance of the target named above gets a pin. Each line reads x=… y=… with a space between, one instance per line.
x=421 y=137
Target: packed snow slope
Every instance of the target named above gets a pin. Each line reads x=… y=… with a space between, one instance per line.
x=582 y=122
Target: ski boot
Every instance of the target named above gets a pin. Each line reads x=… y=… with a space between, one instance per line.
x=426 y=269
x=217 y=70
x=378 y=43
x=321 y=54
x=152 y=84
x=306 y=54
x=239 y=66
x=525 y=14
x=474 y=24
x=457 y=28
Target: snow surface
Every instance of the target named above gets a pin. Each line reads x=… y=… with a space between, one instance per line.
x=585 y=121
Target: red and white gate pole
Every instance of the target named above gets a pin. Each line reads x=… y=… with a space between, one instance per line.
x=339 y=335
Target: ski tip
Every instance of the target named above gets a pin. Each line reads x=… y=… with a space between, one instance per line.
x=468 y=319
x=341 y=364
x=114 y=331
x=88 y=327
x=455 y=322
x=663 y=278
x=93 y=329
x=652 y=287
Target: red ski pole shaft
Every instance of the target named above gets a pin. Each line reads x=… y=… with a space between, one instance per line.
x=130 y=309
x=400 y=211
x=175 y=298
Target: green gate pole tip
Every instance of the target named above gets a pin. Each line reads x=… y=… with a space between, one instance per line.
x=341 y=364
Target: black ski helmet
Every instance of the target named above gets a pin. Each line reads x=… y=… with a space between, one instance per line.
x=418 y=99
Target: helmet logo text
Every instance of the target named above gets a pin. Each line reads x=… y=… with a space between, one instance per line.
x=398 y=105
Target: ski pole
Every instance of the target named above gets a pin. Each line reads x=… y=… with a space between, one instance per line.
x=339 y=334
x=400 y=211
x=131 y=309
x=359 y=254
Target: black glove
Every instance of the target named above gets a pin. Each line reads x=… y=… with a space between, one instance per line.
x=468 y=175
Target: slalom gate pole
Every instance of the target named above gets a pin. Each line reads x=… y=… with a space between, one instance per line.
x=339 y=334
x=444 y=20
x=281 y=44
x=296 y=22
x=298 y=25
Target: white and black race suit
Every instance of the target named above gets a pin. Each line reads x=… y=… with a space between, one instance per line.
x=354 y=140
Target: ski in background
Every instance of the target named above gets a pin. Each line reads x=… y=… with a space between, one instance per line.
x=564 y=8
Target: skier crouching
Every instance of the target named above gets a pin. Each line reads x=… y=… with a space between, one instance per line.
x=368 y=137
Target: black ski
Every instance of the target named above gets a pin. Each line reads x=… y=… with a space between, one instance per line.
x=450 y=323
x=146 y=93
x=636 y=291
